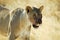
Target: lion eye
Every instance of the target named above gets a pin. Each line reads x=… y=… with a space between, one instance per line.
x=34 y=15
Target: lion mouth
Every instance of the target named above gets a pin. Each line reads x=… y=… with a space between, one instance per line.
x=35 y=26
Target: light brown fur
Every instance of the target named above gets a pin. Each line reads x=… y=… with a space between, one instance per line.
x=4 y=21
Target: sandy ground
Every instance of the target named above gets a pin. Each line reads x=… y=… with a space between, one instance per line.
x=50 y=27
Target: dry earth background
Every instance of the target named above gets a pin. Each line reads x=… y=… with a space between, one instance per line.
x=50 y=28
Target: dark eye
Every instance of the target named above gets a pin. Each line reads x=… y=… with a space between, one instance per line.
x=27 y=11
x=34 y=15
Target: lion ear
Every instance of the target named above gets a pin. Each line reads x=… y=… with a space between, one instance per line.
x=41 y=8
x=28 y=9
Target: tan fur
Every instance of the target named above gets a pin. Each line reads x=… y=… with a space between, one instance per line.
x=4 y=21
x=19 y=27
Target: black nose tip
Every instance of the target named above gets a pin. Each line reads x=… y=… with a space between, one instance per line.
x=39 y=21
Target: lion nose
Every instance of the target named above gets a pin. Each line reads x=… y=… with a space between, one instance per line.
x=39 y=21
